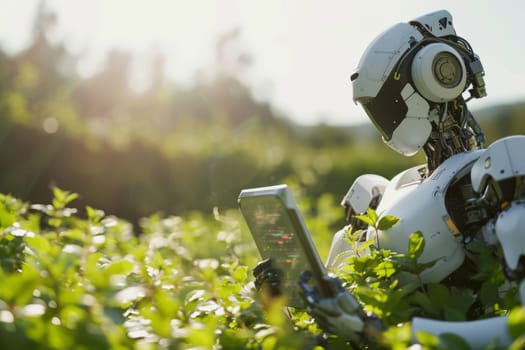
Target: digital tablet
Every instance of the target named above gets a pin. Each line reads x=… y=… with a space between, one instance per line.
x=280 y=234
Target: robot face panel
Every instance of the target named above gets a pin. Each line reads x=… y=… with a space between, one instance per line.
x=407 y=126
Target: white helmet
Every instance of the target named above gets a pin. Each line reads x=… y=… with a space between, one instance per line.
x=408 y=75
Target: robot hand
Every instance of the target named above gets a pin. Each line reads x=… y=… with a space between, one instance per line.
x=341 y=313
x=267 y=275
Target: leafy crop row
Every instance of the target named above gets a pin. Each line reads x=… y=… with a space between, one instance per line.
x=86 y=281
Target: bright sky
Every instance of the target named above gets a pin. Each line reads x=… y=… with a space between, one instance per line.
x=304 y=50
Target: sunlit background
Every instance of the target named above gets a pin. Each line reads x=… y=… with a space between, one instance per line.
x=175 y=106
x=299 y=54
x=128 y=128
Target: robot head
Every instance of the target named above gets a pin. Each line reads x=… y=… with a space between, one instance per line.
x=410 y=74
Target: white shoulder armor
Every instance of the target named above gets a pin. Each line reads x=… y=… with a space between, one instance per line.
x=501 y=160
x=364 y=188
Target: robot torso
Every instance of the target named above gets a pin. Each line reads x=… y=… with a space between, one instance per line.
x=419 y=204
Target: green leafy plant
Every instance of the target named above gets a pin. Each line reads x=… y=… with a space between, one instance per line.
x=87 y=280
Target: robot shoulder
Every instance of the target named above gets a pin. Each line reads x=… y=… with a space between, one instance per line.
x=502 y=160
x=364 y=189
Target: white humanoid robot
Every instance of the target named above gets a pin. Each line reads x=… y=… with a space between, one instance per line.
x=410 y=81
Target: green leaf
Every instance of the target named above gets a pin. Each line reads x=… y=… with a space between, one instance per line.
x=426 y=303
x=516 y=322
x=429 y=341
x=241 y=274
x=452 y=314
x=62 y=198
x=438 y=293
x=352 y=236
x=453 y=341
x=167 y=304
x=416 y=245
x=518 y=344
x=7 y=218
x=458 y=304
x=365 y=245
x=385 y=269
x=365 y=219
x=94 y=215
x=234 y=338
x=387 y=222
x=93 y=273
x=121 y=267
x=399 y=337
x=74 y=234
x=489 y=294
x=202 y=337
x=38 y=244
x=371 y=213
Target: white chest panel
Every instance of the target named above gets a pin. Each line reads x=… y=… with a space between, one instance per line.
x=420 y=206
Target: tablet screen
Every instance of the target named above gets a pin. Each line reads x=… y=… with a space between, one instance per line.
x=279 y=234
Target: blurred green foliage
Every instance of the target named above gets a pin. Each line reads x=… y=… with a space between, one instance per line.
x=167 y=148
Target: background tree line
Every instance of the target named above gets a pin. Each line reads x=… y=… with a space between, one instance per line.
x=170 y=148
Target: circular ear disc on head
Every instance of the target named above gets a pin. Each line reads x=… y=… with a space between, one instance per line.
x=439 y=73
